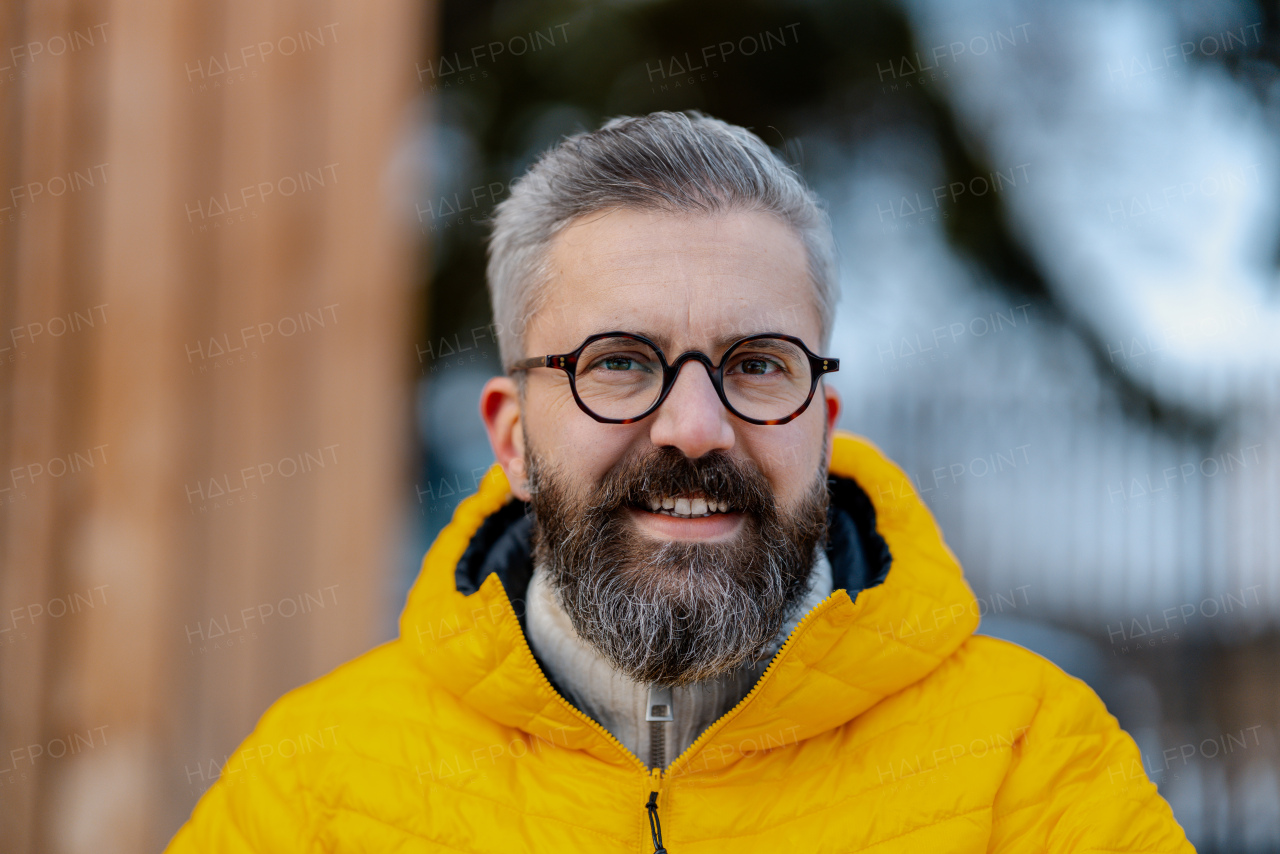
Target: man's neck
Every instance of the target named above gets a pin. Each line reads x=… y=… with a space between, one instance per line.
x=621 y=704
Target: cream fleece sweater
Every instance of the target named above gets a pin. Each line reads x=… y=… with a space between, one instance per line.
x=617 y=702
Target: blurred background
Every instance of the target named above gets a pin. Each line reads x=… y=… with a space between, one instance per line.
x=243 y=327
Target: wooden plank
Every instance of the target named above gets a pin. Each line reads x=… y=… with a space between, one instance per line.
x=168 y=417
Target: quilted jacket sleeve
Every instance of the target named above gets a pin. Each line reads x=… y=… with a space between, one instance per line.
x=259 y=803
x=1077 y=783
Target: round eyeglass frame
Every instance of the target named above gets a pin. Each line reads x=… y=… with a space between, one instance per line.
x=568 y=362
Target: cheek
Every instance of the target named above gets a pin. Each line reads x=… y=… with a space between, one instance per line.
x=788 y=455
x=574 y=443
x=551 y=419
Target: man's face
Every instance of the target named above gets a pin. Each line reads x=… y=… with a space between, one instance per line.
x=669 y=595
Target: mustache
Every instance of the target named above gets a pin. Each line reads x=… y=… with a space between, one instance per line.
x=666 y=471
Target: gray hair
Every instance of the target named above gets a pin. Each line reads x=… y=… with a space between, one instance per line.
x=665 y=161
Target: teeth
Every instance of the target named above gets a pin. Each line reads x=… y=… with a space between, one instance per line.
x=687 y=507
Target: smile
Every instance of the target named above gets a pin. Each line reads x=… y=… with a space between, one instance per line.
x=687 y=507
x=687 y=517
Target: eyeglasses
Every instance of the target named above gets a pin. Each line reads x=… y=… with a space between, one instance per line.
x=620 y=378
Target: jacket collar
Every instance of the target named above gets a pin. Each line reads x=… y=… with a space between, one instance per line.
x=911 y=609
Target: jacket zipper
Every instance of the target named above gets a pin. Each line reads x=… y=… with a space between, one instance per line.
x=655 y=826
x=777 y=656
x=655 y=775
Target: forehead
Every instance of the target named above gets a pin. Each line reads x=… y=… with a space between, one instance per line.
x=684 y=280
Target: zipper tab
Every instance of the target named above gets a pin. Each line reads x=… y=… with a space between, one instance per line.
x=659 y=707
x=655 y=827
x=657 y=712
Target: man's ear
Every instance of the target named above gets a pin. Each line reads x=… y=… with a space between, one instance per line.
x=831 y=399
x=500 y=411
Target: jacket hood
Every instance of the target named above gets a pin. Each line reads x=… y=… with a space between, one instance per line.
x=910 y=609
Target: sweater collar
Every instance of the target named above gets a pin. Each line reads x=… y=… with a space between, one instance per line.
x=618 y=703
x=847 y=654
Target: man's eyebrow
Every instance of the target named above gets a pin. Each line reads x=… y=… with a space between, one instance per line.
x=721 y=342
x=724 y=341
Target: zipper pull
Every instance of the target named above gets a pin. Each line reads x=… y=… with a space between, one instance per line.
x=655 y=827
x=657 y=712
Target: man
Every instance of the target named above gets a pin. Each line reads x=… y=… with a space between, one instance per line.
x=682 y=612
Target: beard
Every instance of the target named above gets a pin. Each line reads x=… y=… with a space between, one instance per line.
x=673 y=612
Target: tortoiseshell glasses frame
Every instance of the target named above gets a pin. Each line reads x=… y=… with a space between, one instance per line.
x=568 y=362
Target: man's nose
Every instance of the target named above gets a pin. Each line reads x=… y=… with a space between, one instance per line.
x=692 y=418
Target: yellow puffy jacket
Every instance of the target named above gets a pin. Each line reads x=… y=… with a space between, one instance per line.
x=882 y=724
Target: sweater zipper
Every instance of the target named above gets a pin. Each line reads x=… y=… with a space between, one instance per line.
x=655 y=775
x=658 y=712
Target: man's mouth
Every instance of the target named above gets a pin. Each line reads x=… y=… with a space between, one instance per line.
x=687 y=507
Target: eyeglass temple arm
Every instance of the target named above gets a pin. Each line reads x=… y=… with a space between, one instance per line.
x=526 y=364
x=564 y=362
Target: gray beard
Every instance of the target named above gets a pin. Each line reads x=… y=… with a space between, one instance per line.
x=675 y=612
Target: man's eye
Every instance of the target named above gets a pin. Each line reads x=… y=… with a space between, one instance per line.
x=620 y=363
x=756 y=366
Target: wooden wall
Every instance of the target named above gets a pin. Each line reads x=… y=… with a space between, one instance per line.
x=207 y=288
